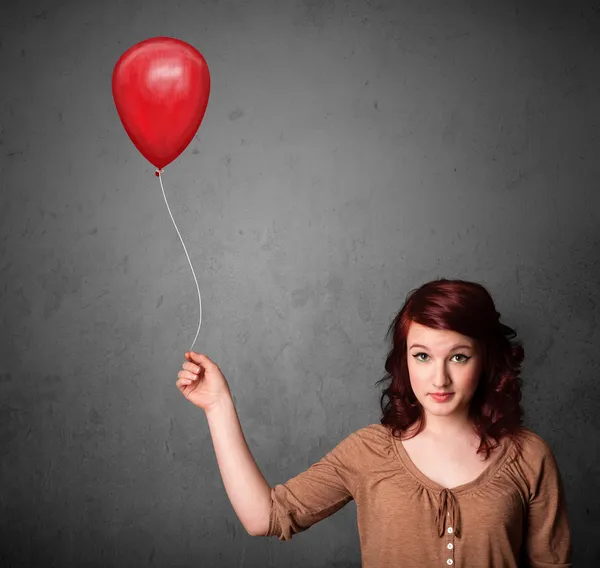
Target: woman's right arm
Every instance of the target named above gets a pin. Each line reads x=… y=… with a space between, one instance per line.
x=246 y=487
x=302 y=501
x=203 y=384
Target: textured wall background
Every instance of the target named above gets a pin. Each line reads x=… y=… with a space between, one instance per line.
x=350 y=152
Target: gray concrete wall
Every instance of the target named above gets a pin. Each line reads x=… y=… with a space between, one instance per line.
x=350 y=152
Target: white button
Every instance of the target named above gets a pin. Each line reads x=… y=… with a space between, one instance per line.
x=449 y=561
x=450 y=530
x=450 y=546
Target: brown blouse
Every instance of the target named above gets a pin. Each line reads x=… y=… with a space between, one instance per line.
x=512 y=515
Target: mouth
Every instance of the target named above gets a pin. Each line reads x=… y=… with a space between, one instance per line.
x=441 y=396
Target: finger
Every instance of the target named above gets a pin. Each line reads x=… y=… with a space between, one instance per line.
x=187 y=378
x=192 y=367
x=203 y=360
x=182 y=383
x=187 y=375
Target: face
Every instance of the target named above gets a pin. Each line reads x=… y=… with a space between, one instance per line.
x=442 y=362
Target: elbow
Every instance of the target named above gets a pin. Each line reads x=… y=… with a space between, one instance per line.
x=259 y=523
x=258 y=528
x=257 y=531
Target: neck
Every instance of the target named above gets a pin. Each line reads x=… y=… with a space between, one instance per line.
x=448 y=427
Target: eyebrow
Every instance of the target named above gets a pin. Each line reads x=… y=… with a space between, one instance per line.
x=460 y=346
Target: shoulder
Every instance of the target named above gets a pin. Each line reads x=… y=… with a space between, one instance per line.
x=535 y=456
x=533 y=446
x=371 y=440
x=373 y=434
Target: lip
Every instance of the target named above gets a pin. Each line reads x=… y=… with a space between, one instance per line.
x=441 y=397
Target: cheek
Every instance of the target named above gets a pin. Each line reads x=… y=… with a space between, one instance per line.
x=417 y=378
x=471 y=387
x=470 y=379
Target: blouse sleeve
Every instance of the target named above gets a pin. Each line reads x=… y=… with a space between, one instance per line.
x=548 y=532
x=315 y=494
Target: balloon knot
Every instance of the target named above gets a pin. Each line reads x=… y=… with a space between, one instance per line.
x=158 y=172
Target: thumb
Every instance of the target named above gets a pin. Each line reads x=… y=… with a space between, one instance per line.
x=202 y=359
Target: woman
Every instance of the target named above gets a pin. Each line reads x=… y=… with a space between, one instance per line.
x=449 y=478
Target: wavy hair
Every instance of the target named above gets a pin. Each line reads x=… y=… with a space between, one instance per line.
x=467 y=308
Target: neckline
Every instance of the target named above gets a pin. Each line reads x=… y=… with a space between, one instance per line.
x=495 y=464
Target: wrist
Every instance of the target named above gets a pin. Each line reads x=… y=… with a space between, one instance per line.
x=223 y=404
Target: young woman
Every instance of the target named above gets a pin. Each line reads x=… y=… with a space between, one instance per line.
x=449 y=478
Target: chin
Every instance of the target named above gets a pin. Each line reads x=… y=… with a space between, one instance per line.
x=438 y=412
x=441 y=409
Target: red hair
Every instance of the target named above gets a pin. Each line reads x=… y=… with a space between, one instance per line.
x=466 y=308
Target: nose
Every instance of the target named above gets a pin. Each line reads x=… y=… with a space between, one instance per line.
x=442 y=378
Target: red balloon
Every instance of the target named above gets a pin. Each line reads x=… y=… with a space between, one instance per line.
x=161 y=87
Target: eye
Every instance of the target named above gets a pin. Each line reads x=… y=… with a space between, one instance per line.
x=418 y=355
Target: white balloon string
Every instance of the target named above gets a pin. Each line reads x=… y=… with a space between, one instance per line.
x=159 y=173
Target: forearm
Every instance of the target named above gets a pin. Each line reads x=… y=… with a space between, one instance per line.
x=246 y=487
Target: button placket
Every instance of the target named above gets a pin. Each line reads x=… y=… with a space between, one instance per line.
x=450 y=546
x=448 y=508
